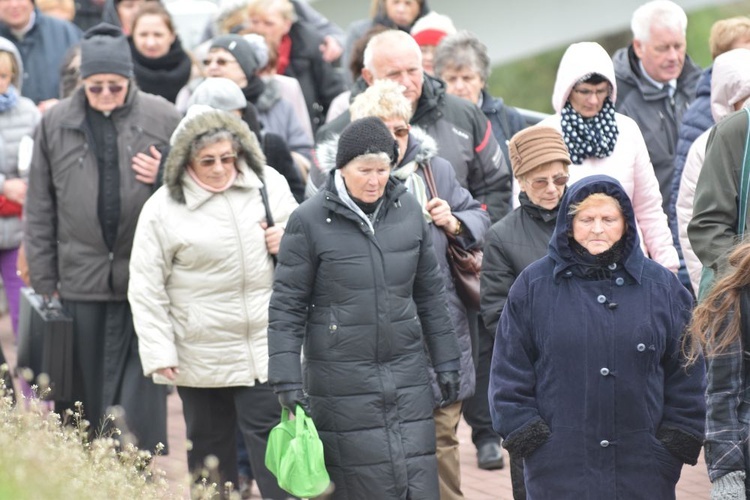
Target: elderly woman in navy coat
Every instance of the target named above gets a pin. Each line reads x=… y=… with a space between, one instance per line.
x=588 y=382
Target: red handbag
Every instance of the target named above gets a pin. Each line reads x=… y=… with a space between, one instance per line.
x=465 y=264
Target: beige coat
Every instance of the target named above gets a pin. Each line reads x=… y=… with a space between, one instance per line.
x=201 y=277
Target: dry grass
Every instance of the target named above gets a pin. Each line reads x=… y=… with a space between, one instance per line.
x=46 y=456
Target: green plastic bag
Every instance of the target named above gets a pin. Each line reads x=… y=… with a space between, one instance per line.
x=294 y=455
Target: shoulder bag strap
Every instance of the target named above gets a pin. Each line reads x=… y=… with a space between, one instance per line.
x=744 y=183
x=429 y=179
x=269 y=216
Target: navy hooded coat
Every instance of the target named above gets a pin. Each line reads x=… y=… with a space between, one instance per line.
x=588 y=384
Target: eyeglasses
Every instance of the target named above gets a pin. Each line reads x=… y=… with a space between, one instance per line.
x=586 y=93
x=542 y=183
x=209 y=161
x=113 y=89
x=400 y=131
x=219 y=61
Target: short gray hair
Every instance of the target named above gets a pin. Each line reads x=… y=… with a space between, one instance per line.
x=462 y=50
x=657 y=13
x=390 y=38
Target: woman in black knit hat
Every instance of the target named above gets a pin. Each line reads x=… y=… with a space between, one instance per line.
x=358 y=284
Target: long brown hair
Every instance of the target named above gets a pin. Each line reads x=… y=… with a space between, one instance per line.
x=716 y=320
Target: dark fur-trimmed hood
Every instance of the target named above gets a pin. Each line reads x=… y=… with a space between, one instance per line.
x=192 y=127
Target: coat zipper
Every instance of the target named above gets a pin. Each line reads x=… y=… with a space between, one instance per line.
x=254 y=371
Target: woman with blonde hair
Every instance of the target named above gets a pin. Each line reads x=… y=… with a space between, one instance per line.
x=720 y=329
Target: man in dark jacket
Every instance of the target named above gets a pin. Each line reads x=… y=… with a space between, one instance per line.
x=462 y=132
x=42 y=41
x=656 y=82
x=93 y=167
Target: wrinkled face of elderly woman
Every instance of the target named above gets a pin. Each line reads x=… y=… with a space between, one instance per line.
x=545 y=184
x=214 y=164
x=366 y=176
x=598 y=223
x=105 y=91
x=465 y=82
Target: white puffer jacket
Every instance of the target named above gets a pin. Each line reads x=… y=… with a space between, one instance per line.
x=200 y=273
x=629 y=163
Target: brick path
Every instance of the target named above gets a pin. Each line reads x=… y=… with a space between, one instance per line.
x=477 y=484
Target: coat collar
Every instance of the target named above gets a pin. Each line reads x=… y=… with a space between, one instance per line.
x=535 y=211
x=76 y=114
x=195 y=196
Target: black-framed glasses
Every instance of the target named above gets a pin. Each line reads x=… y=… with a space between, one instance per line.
x=113 y=88
x=218 y=60
x=586 y=93
x=542 y=183
x=209 y=161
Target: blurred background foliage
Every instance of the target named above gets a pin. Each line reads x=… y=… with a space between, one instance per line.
x=528 y=83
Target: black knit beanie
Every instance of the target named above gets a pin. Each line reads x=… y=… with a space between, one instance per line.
x=365 y=136
x=104 y=49
x=241 y=50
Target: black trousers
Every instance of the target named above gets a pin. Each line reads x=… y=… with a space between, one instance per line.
x=107 y=372
x=477 y=408
x=211 y=419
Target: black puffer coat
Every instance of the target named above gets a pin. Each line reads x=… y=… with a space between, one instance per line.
x=363 y=304
x=423 y=150
x=510 y=245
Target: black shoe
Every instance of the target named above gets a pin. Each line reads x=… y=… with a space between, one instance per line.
x=490 y=456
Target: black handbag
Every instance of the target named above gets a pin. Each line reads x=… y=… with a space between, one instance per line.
x=465 y=265
x=45 y=343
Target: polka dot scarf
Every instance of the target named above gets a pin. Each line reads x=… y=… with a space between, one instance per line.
x=589 y=137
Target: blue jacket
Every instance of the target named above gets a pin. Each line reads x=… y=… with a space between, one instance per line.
x=587 y=381
x=505 y=121
x=43 y=50
x=697 y=119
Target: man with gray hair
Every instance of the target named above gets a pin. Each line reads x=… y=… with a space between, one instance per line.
x=462 y=132
x=656 y=82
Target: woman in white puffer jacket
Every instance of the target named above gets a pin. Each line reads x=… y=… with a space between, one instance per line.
x=602 y=141
x=201 y=273
x=730 y=88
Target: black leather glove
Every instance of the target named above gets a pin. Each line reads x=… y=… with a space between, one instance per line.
x=290 y=400
x=448 y=383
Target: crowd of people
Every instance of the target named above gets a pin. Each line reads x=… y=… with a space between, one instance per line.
x=269 y=220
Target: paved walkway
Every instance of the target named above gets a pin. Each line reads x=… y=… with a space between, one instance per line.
x=477 y=484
